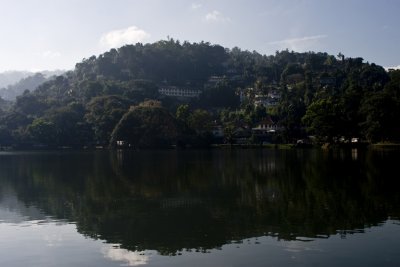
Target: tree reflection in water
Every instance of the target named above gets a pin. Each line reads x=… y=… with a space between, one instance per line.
x=174 y=200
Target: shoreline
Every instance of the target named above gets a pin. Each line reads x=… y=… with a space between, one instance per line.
x=325 y=146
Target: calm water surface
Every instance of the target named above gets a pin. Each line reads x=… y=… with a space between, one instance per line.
x=200 y=208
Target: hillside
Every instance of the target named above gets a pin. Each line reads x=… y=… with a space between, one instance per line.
x=204 y=87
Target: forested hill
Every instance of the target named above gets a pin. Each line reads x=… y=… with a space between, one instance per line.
x=197 y=86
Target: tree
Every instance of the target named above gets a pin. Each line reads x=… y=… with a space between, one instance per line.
x=140 y=90
x=259 y=113
x=323 y=119
x=103 y=113
x=349 y=104
x=6 y=138
x=200 y=121
x=220 y=95
x=71 y=129
x=183 y=113
x=30 y=104
x=146 y=125
x=43 y=132
x=381 y=112
x=340 y=56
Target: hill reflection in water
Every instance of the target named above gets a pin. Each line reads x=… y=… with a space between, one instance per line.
x=171 y=201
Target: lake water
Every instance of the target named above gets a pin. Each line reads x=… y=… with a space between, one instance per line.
x=200 y=208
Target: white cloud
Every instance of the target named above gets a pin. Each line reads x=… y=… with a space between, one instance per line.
x=299 y=44
x=121 y=37
x=130 y=258
x=216 y=16
x=196 y=6
x=51 y=54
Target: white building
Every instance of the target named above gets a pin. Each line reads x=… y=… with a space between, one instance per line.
x=269 y=100
x=175 y=91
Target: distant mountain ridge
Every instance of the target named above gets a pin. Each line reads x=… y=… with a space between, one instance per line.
x=10 y=77
x=14 y=83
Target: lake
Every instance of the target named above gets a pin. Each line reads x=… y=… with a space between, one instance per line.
x=249 y=207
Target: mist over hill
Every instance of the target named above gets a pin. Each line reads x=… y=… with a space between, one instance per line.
x=10 y=77
x=14 y=83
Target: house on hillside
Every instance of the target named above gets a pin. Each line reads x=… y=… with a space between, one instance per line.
x=179 y=92
x=214 y=80
x=269 y=100
x=265 y=131
x=241 y=134
x=265 y=126
x=274 y=94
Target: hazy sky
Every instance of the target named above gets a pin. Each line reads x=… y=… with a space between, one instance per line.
x=56 y=34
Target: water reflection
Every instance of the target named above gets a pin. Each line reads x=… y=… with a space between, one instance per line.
x=170 y=201
x=129 y=258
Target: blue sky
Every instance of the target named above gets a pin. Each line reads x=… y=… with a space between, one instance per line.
x=56 y=34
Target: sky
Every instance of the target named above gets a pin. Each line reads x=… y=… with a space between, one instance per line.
x=57 y=34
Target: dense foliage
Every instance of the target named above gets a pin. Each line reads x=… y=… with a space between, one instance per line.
x=146 y=125
x=322 y=95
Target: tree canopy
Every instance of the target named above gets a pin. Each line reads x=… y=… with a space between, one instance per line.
x=146 y=125
x=305 y=94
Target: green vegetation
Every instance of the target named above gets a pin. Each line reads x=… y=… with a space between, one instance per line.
x=146 y=125
x=206 y=94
